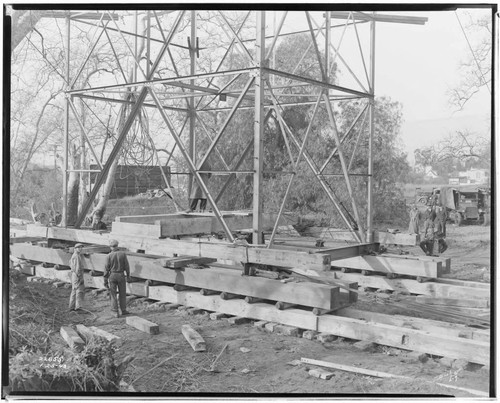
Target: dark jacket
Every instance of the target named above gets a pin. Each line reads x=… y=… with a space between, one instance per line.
x=116 y=262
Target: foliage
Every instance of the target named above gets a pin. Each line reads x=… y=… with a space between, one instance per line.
x=459 y=151
x=92 y=369
x=41 y=185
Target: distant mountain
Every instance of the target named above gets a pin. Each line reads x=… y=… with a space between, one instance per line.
x=426 y=132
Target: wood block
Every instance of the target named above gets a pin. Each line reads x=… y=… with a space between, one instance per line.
x=283 y=305
x=89 y=332
x=228 y=295
x=287 y=330
x=183 y=261
x=310 y=334
x=72 y=338
x=217 y=316
x=204 y=291
x=471 y=303
x=195 y=311
x=321 y=373
x=194 y=338
x=27 y=269
x=143 y=324
x=260 y=324
x=325 y=337
x=238 y=320
x=138 y=288
x=269 y=327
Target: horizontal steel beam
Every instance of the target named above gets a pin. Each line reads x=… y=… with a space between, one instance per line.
x=401 y=19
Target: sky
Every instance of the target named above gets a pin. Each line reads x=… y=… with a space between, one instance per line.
x=417 y=65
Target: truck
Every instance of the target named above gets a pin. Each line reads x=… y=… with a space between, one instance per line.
x=463 y=204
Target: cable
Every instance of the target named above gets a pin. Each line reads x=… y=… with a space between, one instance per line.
x=473 y=54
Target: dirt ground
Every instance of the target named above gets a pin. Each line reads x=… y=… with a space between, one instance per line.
x=254 y=361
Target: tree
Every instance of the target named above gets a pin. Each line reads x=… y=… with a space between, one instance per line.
x=458 y=151
x=476 y=69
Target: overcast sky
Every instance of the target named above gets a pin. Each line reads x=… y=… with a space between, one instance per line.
x=416 y=65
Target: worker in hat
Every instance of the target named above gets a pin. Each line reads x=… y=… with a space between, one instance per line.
x=116 y=274
x=77 y=265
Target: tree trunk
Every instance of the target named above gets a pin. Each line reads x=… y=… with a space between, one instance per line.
x=124 y=112
x=73 y=186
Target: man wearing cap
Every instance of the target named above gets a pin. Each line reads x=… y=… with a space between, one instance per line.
x=77 y=285
x=116 y=273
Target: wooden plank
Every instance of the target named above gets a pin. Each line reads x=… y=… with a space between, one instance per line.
x=206 y=249
x=71 y=337
x=139 y=230
x=21 y=239
x=50 y=272
x=147 y=219
x=464 y=283
x=471 y=303
x=194 y=338
x=386 y=264
x=89 y=332
x=143 y=324
x=379 y=374
x=405 y=338
x=185 y=226
x=433 y=289
x=427 y=325
x=235 y=307
x=378 y=236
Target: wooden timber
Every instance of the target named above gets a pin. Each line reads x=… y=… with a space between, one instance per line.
x=427 y=325
x=384 y=238
x=237 y=253
x=391 y=264
x=186 y=224
x=224 y=280
x=394 y=336
x=434 y=288
x=341 y=252
x=140 y=230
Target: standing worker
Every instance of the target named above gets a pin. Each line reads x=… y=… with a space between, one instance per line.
x=414 y=220
x=77 y=284
x=440 y=220
x=116 y=274
x=427 y=243
x=197 y=192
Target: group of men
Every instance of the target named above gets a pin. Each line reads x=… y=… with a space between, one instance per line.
x=434 y=231
x=116 y=275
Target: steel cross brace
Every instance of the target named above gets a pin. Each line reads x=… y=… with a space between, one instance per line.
x=126 y=127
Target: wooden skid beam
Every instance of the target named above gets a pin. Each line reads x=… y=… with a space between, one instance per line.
x=431 y=288
x=427 y=325
x=140 y=230
x=394 y=336
x=384 y=238
x=385 y=264
x=185 y=226
x=410 y=339
x=224 y=280
x=22 y=239
x=206 y=249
